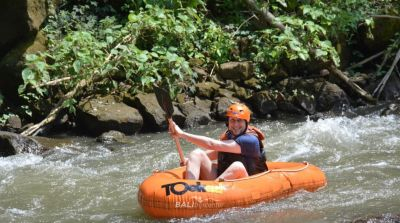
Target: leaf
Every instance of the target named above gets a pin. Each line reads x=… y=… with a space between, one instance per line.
x=27 y=75
x=282 y=2
x=77 y=66
x=70 y=104
x=26 y=109
x=114 y=52
x=320 y=53
x=39 y=90
x=142 y=57
x=179 y=29
x=41 y=66
x=128 y=74
x=132 y=17
x=21 y=88
x=172 y=49
x=303 y=56
x=294 y=45
x=31 y=57
x=171 y=57
x=115 y=84
x=146 y=80
x=109 y=39
x=107 y=69
x=153 y=54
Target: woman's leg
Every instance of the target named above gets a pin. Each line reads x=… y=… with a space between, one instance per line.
x=235 y=171
x=199 y=166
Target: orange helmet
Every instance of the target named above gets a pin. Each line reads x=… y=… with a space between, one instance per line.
x=237 y=110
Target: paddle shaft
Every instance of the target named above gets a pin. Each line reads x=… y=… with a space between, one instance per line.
x=178 y=146
x=164 y=100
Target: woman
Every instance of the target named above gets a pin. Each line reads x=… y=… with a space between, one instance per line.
x=239 y=152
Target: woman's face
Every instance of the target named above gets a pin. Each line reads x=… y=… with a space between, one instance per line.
x=236 y=125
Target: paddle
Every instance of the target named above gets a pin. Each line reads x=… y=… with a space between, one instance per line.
x=164 y=100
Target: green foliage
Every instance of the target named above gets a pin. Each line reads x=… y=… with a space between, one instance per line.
x=3 y=118
x=137 y=5
x=301 y=40
x=154 y=45
x=153 y=41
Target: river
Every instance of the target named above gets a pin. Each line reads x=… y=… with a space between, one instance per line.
x=85 y=181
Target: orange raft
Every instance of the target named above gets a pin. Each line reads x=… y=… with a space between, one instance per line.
x=165 y=194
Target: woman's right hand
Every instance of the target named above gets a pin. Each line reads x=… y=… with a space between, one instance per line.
x=174 y=129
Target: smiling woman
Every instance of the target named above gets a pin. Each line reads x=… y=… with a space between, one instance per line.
x=239 y=151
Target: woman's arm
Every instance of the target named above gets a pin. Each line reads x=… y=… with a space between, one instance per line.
x=204 y=142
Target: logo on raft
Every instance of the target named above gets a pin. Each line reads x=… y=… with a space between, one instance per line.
x=180 y=188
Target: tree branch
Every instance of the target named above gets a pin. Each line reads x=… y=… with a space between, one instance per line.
x=265 y=15
x=353 y=86
x=54 y=82
x=382 y=84
x=386 y=16
x=366 y=60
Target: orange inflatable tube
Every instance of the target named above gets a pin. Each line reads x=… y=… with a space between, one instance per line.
x=166 y=194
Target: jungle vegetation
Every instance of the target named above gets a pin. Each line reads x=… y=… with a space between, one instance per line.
x=95 y=47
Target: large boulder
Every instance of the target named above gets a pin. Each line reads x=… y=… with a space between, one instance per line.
x=391 y=109
x=197 y=118
x=197 y=112
x=221 y=106
x=236 y=71
x=20 y=22
x=263 y=103
x=12 y=63
x=276 y=74
x=384 y=30
x=13 y=124
x=239 y=92
x=152 y=113
x=330 y=97
x=99 y=115
x=112 y=136
x=289 y=108
x=12 y=144
x=305 y=102
x=207 y=89
x=253 y=83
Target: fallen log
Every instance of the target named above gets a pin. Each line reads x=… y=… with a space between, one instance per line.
x=34 y=129
x=353 y=86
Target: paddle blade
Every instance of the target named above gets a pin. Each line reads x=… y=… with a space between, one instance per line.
x=164 y=100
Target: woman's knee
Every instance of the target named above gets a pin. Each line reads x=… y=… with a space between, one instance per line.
x=197 y=154
x=239 y=169
x=237 y=166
